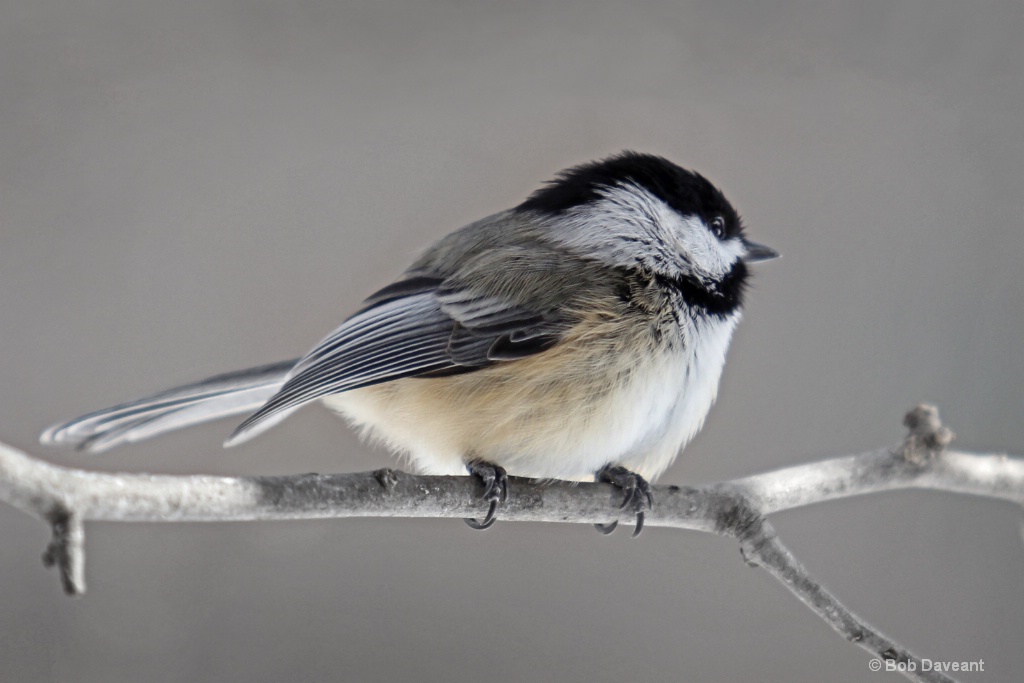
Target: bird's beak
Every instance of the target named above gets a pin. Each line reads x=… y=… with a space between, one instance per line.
x=758 y=252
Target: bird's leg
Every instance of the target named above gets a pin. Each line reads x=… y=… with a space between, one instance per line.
x=636 y=495
x=495 y=481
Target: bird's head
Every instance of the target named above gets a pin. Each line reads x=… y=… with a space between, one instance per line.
x=640 y=211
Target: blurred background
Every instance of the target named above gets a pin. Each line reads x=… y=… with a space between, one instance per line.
x=193 y=187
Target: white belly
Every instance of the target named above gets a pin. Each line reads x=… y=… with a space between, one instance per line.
x=563 y=414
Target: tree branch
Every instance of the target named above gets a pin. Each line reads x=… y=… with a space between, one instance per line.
x=65 y=498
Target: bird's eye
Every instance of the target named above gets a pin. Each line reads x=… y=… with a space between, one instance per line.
x=718 y=226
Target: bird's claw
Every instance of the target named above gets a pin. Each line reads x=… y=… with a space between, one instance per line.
x=636 y=495
x=495 y=481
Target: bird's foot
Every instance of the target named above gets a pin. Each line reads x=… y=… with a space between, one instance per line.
x=636 y=495
x=495 y=481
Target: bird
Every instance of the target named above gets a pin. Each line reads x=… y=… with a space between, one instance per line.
x=578 y=336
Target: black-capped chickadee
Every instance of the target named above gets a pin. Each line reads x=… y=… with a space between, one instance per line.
x=579 y=335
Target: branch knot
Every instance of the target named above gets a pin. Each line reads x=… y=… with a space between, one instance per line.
x=927 y=435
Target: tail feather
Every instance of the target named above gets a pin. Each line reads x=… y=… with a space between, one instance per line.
x=225 y=395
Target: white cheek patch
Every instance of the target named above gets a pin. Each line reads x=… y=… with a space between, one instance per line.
x=631 y=227
x=622 y=228
x=708 y=256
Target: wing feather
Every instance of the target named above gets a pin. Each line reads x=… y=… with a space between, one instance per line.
x=397 y=338
x=502 y=305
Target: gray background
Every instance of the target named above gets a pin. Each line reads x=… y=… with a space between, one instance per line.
x=193 y=187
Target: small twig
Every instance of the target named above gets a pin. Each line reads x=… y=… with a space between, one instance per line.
x=66 y=497
x=66 y=550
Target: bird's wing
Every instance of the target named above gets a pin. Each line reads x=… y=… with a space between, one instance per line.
x=503 y=304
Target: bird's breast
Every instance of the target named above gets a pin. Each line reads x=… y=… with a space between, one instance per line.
x=613 y=392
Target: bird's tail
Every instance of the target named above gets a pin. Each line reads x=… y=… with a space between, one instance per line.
x=221 y=396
